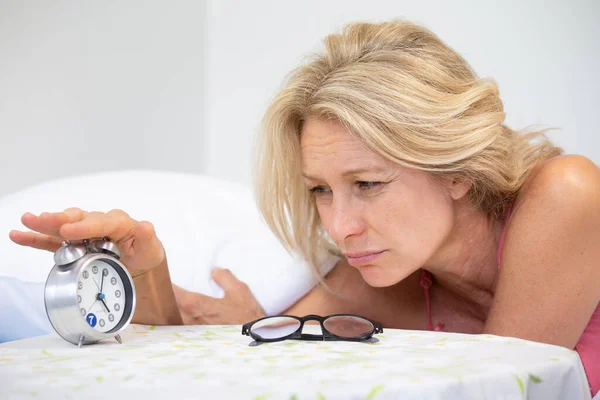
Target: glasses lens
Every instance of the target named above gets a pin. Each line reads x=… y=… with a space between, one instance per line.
x=275 y=328
x=348 y=327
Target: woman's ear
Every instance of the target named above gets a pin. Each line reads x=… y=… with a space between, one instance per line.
x=459 y=188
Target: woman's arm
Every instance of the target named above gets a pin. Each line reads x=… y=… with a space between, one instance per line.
x=141 y=252
x=155 y=299
x=346 y=292
x=548 y=282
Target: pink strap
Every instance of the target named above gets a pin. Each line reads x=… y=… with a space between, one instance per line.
x=426 y=283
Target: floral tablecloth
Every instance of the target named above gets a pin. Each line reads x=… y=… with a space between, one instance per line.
x=205 y=362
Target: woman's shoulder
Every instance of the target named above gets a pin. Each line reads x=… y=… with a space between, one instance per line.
x=559 y=203
x=550 y=253
x=565 y=184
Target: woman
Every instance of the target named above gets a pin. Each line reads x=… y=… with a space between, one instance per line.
x=388 y=150
x=389 y=146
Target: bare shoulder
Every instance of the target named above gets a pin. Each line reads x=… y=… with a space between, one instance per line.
x=549 y=265
x=559 y=203
x=563 y=181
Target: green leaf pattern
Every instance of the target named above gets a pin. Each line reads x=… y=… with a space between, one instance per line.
x=216 y=362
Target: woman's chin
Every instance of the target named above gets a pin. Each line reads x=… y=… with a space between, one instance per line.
x=376 y=276
x=382 y=276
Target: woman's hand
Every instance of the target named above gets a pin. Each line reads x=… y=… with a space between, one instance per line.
x=139 y=247
x=238 y=306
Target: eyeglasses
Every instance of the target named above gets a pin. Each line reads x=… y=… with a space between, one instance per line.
x=346 y=327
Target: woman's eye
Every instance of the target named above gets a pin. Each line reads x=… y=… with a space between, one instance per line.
x=319 y=190
x=368 y=185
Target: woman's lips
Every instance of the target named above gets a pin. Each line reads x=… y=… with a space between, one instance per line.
x=358 y=259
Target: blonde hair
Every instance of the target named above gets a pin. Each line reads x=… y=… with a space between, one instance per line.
x=407 y=96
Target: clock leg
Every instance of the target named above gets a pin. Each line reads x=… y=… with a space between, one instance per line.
x=80 y=341
x=118 y=337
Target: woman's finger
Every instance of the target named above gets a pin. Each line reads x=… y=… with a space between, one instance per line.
x=50 y=223
x=74 y=214
x=36 y=240
x=227 y=280
x=113 y=224
x=45 y=223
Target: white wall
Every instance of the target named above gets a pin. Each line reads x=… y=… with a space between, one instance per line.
x=91 y=86
x=545 y=55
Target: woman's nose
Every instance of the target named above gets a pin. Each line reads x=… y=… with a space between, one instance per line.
x=345 y=221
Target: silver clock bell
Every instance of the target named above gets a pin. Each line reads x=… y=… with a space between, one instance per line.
x=89 y=294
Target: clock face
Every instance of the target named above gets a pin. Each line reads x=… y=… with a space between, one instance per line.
x=101 y=296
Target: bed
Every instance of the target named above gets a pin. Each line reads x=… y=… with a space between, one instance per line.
x=217 y=362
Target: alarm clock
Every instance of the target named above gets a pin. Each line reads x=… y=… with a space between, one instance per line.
x=89 y=294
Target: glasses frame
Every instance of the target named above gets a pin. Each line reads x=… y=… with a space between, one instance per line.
x=325 y=336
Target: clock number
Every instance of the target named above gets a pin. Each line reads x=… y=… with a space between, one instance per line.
x=91 y=319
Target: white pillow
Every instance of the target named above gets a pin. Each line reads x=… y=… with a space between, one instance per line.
x=202 y=221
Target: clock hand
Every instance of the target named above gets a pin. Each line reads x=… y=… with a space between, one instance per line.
x=98 y=286
x=102 y=282
x=103 y=302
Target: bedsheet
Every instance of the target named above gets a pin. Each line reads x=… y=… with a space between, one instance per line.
x=217 y=362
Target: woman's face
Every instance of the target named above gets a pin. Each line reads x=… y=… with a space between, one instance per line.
x=388 y=220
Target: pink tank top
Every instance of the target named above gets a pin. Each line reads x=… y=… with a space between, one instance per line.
x=588 y=346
